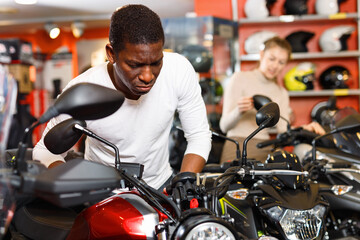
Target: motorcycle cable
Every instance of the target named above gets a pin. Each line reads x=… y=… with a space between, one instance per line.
x=147 y=192
x=163 y=197
x=230 y=176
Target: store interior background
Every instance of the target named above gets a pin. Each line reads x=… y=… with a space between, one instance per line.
x=67 y=56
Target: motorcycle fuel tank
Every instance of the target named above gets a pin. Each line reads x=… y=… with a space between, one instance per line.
x=122 y=216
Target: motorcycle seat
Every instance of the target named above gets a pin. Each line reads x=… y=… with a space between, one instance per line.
x=42 y=220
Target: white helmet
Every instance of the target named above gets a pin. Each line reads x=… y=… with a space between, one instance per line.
x=334 y=39
x=326 y=7
x=255 y=42
x=256 y=9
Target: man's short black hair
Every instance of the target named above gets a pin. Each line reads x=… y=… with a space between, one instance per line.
x=136 y=24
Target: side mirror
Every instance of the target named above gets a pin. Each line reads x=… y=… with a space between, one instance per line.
x=268 y=115
x=260 y=101
x=63 y=136
x=85 y=101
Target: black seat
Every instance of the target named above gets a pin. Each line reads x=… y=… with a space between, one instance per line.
x=41 y=220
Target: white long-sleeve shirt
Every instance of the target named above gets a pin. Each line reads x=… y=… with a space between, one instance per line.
x=140 y=128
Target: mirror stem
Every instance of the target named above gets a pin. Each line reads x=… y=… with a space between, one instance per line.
x=238 y=154
x=20 y=156
x=261 y=126
x=91 y=134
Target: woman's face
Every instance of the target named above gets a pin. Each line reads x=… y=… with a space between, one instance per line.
x=273 y=61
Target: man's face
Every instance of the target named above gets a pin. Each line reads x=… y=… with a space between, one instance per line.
x=136 y=68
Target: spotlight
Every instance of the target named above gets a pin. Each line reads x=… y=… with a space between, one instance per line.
x=52 y=29
x=77 y=28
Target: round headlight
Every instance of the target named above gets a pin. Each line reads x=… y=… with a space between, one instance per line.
x=210 y=230
x=204 y=227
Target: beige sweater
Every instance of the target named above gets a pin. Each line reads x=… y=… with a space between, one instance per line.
x=247 y=84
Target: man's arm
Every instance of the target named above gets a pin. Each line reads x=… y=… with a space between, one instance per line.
x=41 y=153
x=192 y=163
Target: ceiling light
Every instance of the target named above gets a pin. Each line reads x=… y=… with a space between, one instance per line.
x=77 y=28
x=52 y=29
x=26 y=2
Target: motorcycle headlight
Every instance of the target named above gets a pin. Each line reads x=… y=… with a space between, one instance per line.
x=299 y=224
x=209 y=231
x=205 y=227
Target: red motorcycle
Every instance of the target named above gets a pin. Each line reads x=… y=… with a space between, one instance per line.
x=86 y=200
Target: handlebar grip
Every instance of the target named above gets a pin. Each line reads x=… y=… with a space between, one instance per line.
x=268 y=143
x=270 y=166
x=217 y=168
x=341 y=165
x=212 y=168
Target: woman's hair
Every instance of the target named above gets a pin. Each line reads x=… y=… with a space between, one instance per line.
x=136 y=24
x=278 y=42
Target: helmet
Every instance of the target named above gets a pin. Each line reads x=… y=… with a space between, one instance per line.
x=211 y=90
x=254 y=43
x=335 y=77
x=199 y=56
x=298 y=40
x=256 y=9
x=296 y=7
x=300 y=77
x=323 y=112
x=279 y=181
x=334 y=39
x=326 y=7
x=347 y=141
x=269 y=3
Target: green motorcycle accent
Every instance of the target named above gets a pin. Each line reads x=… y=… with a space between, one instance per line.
x=224 y=201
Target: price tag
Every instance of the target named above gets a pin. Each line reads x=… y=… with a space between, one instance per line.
x=337 y=16
x=341 y=92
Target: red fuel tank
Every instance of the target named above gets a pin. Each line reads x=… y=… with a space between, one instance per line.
x=122 y=216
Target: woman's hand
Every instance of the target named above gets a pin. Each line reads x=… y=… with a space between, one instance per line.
x=314 y=127
x=245 y=104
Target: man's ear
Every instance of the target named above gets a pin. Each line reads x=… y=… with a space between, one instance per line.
x=110 y=54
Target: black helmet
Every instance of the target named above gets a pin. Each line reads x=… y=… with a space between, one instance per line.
x=269 y=3
x=211 y=90
x=347 y=141
x=199 y=56
x=323 y=112
x=296 y=7
x=281 y=181
x=335 y=77
x=298 y=40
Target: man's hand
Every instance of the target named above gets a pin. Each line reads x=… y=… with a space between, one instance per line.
x=192 y=163
x=55 y=164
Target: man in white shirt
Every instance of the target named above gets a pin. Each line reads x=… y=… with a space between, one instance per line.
x=155 y=85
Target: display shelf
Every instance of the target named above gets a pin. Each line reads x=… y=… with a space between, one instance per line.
x=308 y=55
x=325 y=92
x=296 y=18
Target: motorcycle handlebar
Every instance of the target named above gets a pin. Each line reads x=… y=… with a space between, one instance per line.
x=268 y=142
x=272 y=166
x=220 y=168
x=290 y=137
